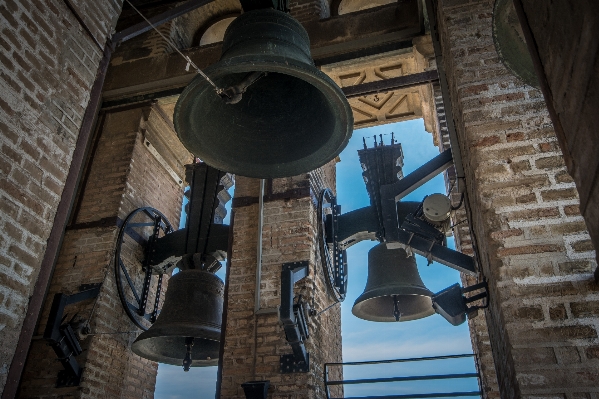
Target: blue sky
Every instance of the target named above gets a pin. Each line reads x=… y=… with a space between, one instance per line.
x=363 y=340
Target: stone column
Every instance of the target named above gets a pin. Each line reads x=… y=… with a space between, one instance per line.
x=532 y=242
x=122 y=176
x=255 y=341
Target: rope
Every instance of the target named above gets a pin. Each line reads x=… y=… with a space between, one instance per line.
x=218 y=90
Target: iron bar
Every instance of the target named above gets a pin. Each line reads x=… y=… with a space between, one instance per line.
x=401 y=82
x=397 y=379
x=414 y=359
x=223 y=331
x=419 y=395
x=328 y=383
x=259 y=246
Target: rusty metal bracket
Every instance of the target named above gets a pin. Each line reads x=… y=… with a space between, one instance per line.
x=63 y=339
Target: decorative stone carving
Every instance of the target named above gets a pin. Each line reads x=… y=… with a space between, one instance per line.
x=393 y=106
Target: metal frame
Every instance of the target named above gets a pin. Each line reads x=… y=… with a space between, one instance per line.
x=63 y=339
x=159 y=224
x=362 y=224
x=328 y=383
x=332 y=255
x=292 y=317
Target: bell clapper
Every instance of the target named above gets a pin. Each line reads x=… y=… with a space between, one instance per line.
x=233 y=94
x=396 y=312
x=187 y=361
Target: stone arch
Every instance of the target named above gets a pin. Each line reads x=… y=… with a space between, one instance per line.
x=340 y=7
x=214 y=29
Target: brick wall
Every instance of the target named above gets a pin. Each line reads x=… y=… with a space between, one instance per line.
x=253 y=343
x=567 y=47
x=123 y=176
x=533 y=245
x=47 y=66
x=479 y=332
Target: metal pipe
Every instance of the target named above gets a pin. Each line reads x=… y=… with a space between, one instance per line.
x=223 y=328
x=259 y=246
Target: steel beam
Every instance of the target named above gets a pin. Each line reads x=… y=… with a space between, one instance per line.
x=382 y=86
x=440 y=254
x=418 y=177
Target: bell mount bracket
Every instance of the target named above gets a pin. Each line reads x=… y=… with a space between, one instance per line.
x=63 y=338
x=143 y=226
x=293 y=319
x=332 y=254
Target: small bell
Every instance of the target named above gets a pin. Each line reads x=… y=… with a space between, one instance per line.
x=394 y=290
x=187 y=331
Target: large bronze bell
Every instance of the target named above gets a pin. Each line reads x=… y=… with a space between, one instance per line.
x=289 y=121
x=189 y=325
x=394 y=290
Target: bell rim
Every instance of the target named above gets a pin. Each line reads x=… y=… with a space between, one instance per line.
x=282 y=65
x=137 y=348
x=368 y=296
x=212 y=331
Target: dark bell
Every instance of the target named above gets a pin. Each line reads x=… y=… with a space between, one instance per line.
x=394 y=290
x=192 y=308
x=510 y=43
x=289 y=121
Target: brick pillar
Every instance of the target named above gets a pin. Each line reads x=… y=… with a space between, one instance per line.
x=48 y=63
x=479 y=331
x=532 y=242
x=254 y=342
x=123 y=175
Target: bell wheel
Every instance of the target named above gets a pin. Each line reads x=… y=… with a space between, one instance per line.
x=138 y=285
x=332 y=256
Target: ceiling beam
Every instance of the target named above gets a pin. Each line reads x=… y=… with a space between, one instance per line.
x=335 y=39
x=382 y=86
x=143 y=27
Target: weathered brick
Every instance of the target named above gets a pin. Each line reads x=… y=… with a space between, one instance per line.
x=576 y=267
x=554 y=195
x=549 y=162
x=582 y=246
x=563 y=177
x=529 y=313
x=535 y=356
x=572 y=210
x=557 y=312
x=538 y=213
x=585 y=309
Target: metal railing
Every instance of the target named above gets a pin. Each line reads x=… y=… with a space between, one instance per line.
x=328 y=383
